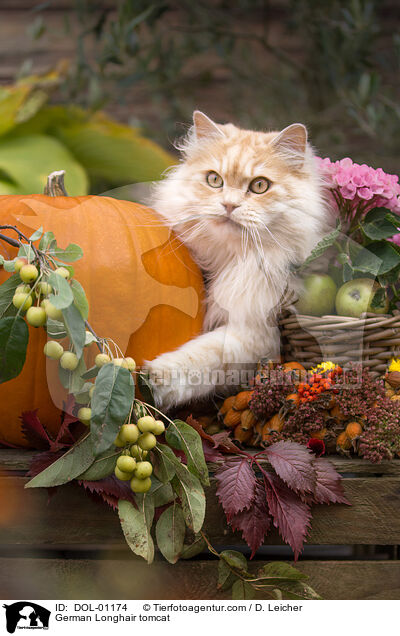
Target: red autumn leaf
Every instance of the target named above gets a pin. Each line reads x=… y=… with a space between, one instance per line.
x=294 y=464
x=328 y=487
x=291 y=515
x=236 y=485
x=317 y=446
x=224 y=442
x=34 y=431
x=110 y=489
x=211 y=454
x=254 y=522
x=198 y=427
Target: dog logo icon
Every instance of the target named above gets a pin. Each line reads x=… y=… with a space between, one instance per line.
x=26 y=615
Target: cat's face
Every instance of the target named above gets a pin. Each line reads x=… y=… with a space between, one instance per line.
x=243 y=186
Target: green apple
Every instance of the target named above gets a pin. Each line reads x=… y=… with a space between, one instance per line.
x=355 y=297
x=146 y=424
x=23 y=289
x=62 y=271
x=28 y=273
x=143 y=470
x=19 y=263
x=131 y=364
x=120 y=362
x=101 y=359
x=140 y=485
x=129 y=433
x=159 y=427
x=43 y=289
x=121 y=475
x=127 y=464
x=36 y=316
x=22 y=300
x=147 y=441
x=318 y=296
x=69 y=361
x=84 y=415
x=51 y=311
x=52 y=349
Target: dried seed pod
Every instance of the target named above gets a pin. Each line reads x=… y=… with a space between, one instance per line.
x=293 y=399
x=232 y=418
x=337 y=413
x=242 y=435
x=242 y=400
x=390 y=393
x=353 y=430
x=395 y=398
x=248 y=420
x=276 y=423
x=343 y=442
x=393 y=378
x=228 y=403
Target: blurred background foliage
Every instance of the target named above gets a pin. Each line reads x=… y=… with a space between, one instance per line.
x=332 y=64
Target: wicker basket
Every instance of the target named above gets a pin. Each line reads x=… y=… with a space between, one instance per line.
x=372 y=339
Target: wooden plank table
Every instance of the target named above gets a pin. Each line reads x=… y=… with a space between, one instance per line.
x=72 y=547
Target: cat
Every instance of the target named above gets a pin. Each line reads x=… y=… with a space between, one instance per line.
x=248 y=205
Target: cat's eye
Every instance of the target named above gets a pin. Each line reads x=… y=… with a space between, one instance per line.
x=214 y=180
x=259 y=185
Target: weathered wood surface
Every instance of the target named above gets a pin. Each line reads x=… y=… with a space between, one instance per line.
x=71 y=518
x=124 y=579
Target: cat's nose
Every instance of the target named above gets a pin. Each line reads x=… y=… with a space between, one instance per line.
x=229 y=207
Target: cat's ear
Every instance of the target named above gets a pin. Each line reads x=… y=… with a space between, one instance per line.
x=204 y=126
x=291 y=142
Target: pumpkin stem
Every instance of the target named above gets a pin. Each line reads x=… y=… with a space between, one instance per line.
x=55 y=184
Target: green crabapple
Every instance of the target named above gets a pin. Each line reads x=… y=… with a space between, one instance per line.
x=101 y=359
x=147 y=441
x=131 y=363
x=126 y=464
x=91 y=391
x=22 y=300
x=129 y=433
x=120 y=362
x=69 y=361
x=36 y=316
x=146 y=424
x=140 y=485
x=84 y=415
x=121 y=475
x=62 y=271
x=159 y=427
x=143 y=470
x=23 y=289
x=118 y=442
x=51 y=311
x=43 y=289
x=20 y=262
x=28 y=273
x=52 y=349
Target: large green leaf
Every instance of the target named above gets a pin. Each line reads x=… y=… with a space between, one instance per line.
x=161 y=493
x=14 y=336
x=7 y=291
x=377 y=258
x=80 y=300
x=11 y=99
x=165 y=467
x=102 y=466
x=111 y=404
x=170 y=532
x=136 y=526
x=66 y=468
x=322 y=246
x=75 y=326
x=184 y=437
x=191 y=494
x=378 y=225
x=28 y=160
x=242 y=590
x=112 y=151
x=63 y=297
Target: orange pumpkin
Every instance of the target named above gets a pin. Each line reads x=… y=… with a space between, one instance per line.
x=144 y=290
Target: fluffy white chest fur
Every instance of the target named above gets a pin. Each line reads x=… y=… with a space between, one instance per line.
x=249 y=205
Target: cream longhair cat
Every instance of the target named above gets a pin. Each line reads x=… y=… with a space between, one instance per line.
x=248 y=205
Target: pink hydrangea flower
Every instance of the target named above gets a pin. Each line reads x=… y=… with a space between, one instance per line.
x=361 y=184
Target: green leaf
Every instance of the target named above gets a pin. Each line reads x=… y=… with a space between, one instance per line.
x=14 y=336
x=46 y=240
x=277 y=570
x=377 y=225
x=191 y=550
x=36 y=235
x=112 y=151
x=26 y=251
x=226 y=577
x=348 y=273
x=55 y=329
x=297 y=590
x=70 y=254
x=89 y=338
x=111 y=404
x=145 y=389
x=103 y=466
x=235 y=559
x=11 y=100
x=165 y=468
x=75 y=326
x=7 y=291
x=68 y=467
x=91 y=373
x=9 y=266
x=170 y=532
x=64 y=297
x=80 y=300
x=64 y=377
x=28 y=160
x=162 y=493
x=76 y=383
x=190 y=443
x=322 y=246
x=378 y=257
x=136 y=526
x=191 y=494
x=379 y=299
x=242 y=590
x=82 y=396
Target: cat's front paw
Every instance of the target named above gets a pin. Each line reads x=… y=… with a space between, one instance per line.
x=172 y=384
